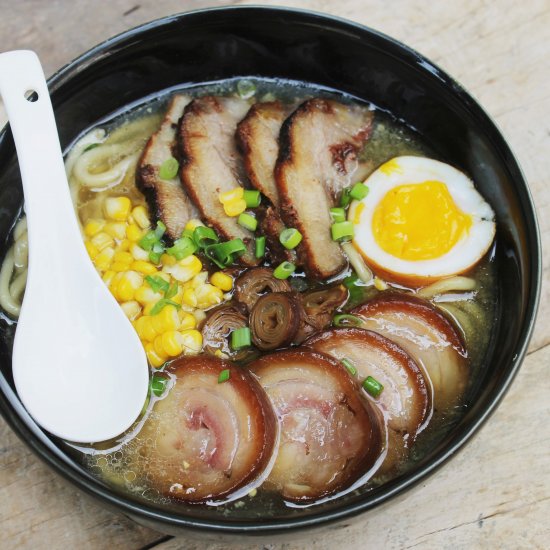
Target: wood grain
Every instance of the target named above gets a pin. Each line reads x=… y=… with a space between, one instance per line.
x=496 y=492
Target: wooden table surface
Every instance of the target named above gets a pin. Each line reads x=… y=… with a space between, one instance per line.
x=496 y=492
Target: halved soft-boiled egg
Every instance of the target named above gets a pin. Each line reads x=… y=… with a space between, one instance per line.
x=421 y=220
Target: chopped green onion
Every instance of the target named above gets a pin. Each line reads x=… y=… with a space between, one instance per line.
x=372 y=386
x=169 y=169
x=260 y=247
x=161 y=304
x=359 y=191
x=160 y=230
x=338 y=215
x=224 y=254
x=171 y=291
x=224 y=376
x=158 y=385
x=158 y=284
x=284 y=270
x=90 y=147
x=187 y=233
x=247 y=221
x=204 y=236
x=349 y=365
x=182 y=248
x=290 y=238
x=246 y=88
x=252 y=198
x=148 y=240
x=346 y=320
x=345 y=198
x=154 y=257
x=342 y=231
x=240 y=338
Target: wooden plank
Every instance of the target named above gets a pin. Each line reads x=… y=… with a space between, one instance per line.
x=495 y=493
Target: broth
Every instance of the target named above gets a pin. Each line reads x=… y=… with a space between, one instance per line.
x=121 y=463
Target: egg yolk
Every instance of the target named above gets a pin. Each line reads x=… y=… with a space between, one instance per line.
x=419 y=221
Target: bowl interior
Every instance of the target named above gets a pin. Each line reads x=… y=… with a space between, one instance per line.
x=223 y=43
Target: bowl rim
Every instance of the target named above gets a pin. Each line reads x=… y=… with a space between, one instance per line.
x=14 y=413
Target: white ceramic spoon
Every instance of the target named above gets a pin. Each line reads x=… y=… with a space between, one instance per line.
x=78 y=365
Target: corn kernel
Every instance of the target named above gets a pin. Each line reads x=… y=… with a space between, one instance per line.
x=117 y=230
x=189 y=297
x=235 y=207
x=187 y=321
x=103 y=260
x=199 y=316
x=131 y=309
x=155 y=360
x=123 y=245
x=148 y=308
x=199 y=279
x=147 y=268
x=168 y=319
x=171 y=343
x=379 y=284
x=185 y=269
x=133 y=232
x=234 y=194
x=159 y=348
x=168 y=260
x=222 y=281
x=144 y=328
x=124 y=257
x=102 y=240
x=93 y=227
x=119 y=267
x=191 y=225
x=117 y=208
x=125 y=289
x=146 y=295
x=92 y=249
x=208 y=295
x=141 y=217
x=108 y=277
x=138 y=253
x=191 y=341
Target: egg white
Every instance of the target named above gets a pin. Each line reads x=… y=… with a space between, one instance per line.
x=461 y=257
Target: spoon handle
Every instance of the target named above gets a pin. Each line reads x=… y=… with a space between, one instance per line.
x=50 y=212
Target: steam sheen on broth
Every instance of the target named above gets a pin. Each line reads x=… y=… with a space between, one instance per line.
x=321 y=340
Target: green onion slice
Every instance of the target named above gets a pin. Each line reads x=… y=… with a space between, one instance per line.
x=160 y=230
x=171 y=291
x=252 y=198
x=241 y=338
x=342 y=231
x=148 y=240
x=338 y=215
x=290 y=238
x=247 y=221
x=154 y=257
x=158 y=385
x=224 y=254
x=246 y=88
x=204 y=236
x=349 y=365
x=359 y=191
x=158 y=284
x=372 y=386
x=161 y=304
x=182 y=248
x=284 y=270
x=224 y=376
x=346 y=320
x=169 y=169
x=260 y=247
x=345 y=198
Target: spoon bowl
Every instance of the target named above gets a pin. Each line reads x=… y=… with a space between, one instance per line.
x=78 y=364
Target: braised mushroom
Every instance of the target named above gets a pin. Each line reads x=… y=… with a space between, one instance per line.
x=254 y=283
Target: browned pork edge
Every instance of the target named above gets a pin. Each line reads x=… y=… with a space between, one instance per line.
x=258 y=139
x=318 y=158
x=211 y=163
x=167 y=199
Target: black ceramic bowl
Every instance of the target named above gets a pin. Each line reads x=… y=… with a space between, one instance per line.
x=220 y=43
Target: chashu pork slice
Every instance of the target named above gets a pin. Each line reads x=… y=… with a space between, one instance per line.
x=319 y=146
x=166 y=197
x=211 y=163
x=258 y=138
